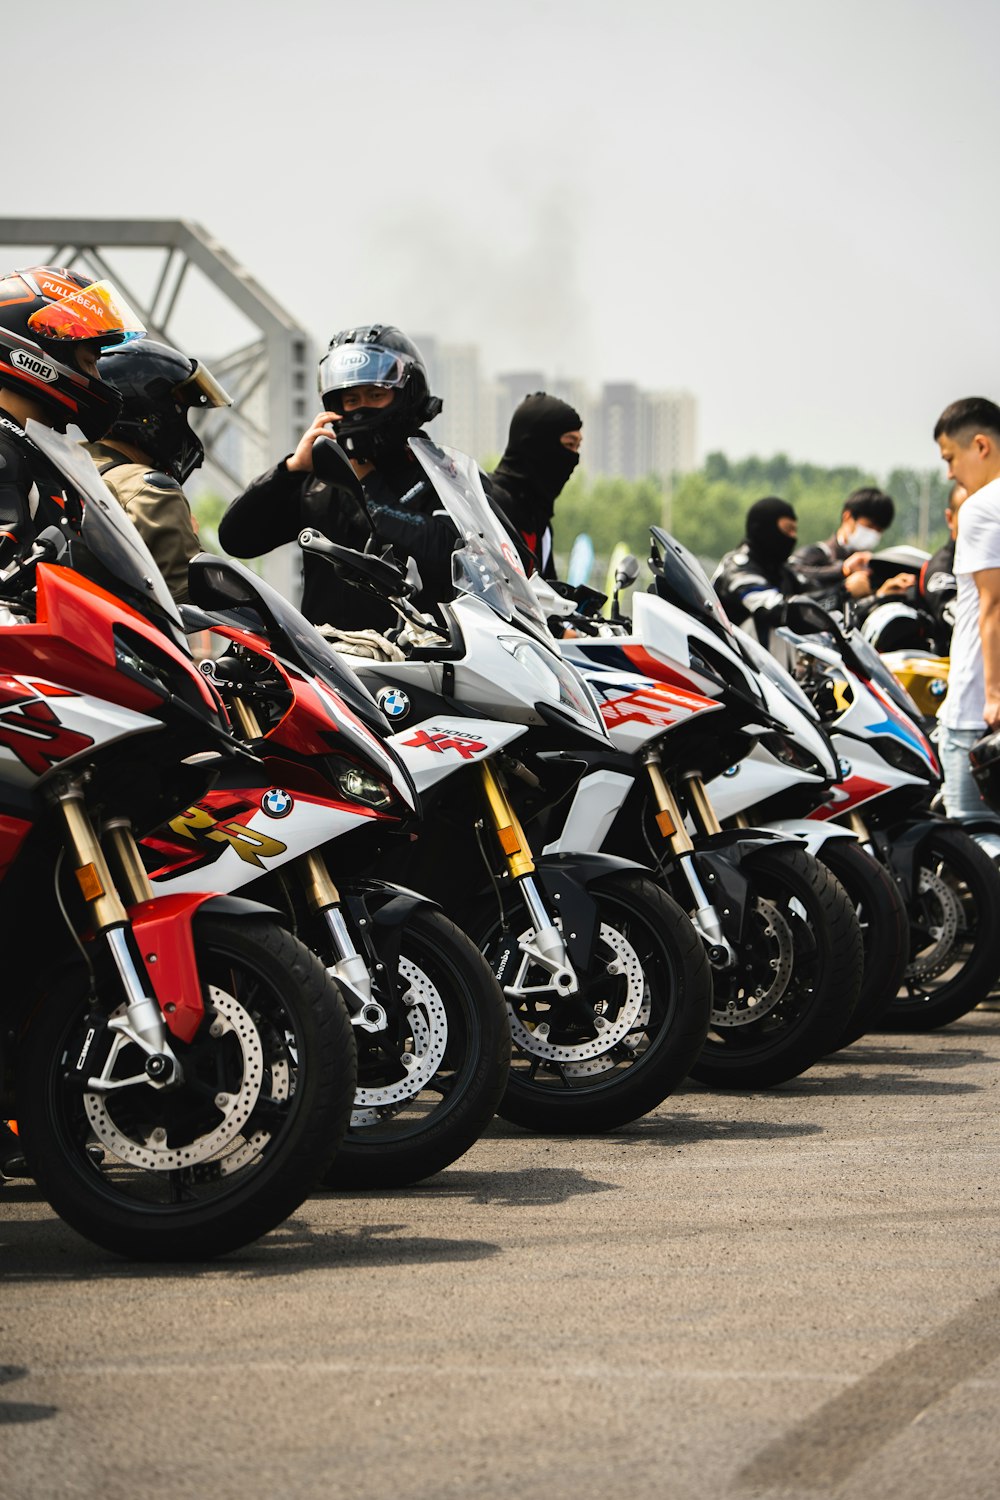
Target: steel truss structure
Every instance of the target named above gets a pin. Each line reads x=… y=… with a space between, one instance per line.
x=270 y=375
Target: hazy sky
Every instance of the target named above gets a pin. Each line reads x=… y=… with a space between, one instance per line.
x=789 y=208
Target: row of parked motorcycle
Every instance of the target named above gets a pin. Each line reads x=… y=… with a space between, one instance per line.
x=280 y=917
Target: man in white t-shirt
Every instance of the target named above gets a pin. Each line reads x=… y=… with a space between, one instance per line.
x=968 y=435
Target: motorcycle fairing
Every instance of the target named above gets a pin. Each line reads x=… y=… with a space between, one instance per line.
x=436 y=748
x=72 y=640
x=44 y=725
x=635 y=708
x=229 y=834
x=13 y=832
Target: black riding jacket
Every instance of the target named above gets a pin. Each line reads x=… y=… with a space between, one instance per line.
x=403 y=508
x=753 y=591
x=33 y=494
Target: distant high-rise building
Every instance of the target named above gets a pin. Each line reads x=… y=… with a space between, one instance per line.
x=622 y=446
x=671 y=425
x=626 y=431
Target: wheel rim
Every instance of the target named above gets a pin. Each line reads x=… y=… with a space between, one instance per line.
x=164 y=1150
x=576 y=1053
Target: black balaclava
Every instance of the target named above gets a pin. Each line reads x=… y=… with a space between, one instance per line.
x=769 y=545
x=534 y=456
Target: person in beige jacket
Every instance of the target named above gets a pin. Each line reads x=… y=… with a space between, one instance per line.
x=151 y=450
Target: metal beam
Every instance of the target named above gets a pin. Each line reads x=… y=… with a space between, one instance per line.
x=274 y=373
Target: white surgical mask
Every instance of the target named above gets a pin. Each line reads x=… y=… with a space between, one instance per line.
x=863 y=539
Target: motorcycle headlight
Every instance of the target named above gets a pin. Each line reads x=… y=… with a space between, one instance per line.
x=557 y=680
x=791 y=753
x=909 y=761
x=359 y=785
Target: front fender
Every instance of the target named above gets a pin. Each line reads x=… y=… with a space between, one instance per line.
x=164 y=931
x=899 y=849
x=812 y=834
x=566 y=880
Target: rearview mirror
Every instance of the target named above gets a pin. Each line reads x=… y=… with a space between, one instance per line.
x=332 y=465
x=627 y=571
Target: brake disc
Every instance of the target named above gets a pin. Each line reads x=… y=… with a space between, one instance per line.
x=153 y=1153
x=933 y=961
x=428 y=1022
x=535 y=1037
x=750 y=1004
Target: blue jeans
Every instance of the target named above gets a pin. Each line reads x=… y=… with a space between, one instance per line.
x=961 y=794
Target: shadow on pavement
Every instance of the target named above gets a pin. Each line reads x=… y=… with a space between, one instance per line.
x=12 y=1412
x=44 y=1248
x=530 y=1188
x=677 y=1127
x=902 y=1056
x=843 y=1084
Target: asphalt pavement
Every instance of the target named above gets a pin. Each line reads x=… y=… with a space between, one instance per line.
x=791 y=1294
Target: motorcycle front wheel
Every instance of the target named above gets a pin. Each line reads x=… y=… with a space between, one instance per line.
x=954 y=920
x=789 y=996
x=193 y=1171
x=618 y=1046
x=885 y=932
x=430 y=1084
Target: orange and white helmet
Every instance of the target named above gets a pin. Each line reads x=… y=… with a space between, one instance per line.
x=46 y=316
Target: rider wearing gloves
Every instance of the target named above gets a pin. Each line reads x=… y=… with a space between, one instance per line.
x=150 y=450
x=375 y=395
x=53 y=326
x=754 y=580
x=543 y=449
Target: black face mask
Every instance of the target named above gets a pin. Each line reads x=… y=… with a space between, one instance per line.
x=535 y=454
x=766 y=542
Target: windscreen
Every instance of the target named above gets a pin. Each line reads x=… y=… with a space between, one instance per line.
x=680 y=578
x=107 y=532
x=487 y=565
x=873 y=667
x=293 y=637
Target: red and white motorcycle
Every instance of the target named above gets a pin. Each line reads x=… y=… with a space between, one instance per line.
x=182 y=1068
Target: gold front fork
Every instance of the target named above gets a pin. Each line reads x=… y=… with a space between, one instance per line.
x=513 y=842
x=669 y=818
x=91 y=868
x=702 y=811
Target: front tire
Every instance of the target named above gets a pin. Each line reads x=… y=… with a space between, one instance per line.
x=417 y=1111
x=954 y=921
x=613 y=1052
x=885 y=932
x=790 y=995
x=195 y=1171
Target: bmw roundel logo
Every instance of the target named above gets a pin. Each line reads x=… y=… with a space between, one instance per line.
x=393 y=702
x=937 y=687
x=732 y=770
x=276 y=803
x=845 y=769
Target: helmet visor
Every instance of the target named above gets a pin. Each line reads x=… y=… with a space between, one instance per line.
x=201 y=388
x=97 y=311
x=360 y=364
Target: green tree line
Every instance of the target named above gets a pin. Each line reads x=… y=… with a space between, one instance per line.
x=705 y=510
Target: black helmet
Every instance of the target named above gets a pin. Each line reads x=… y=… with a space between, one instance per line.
x=984 y=758
x=159 y=386
x=47 y=316
x=376 y=354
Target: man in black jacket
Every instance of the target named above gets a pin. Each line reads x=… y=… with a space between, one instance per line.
x=543 y=449
x=375 y=396
x=837 y=569
x=754 y=580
